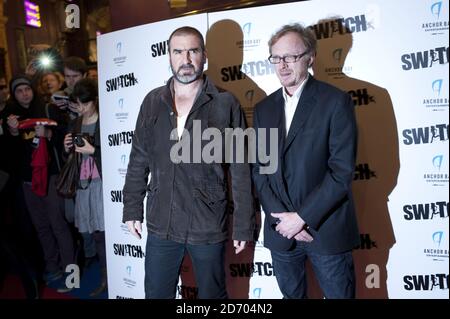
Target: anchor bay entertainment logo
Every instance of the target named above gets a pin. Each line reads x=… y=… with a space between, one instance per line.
x=438 y=174
x=128 y=280
x=437 y=24
x=437 y=99
x=338 y=70
x=119 y=59
x=121 y=115
x=122 y=170
x=249 y=42
x=437 y=247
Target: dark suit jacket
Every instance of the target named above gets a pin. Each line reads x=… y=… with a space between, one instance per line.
x=315 y=167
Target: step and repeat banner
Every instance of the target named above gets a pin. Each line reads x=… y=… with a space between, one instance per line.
x=390 y=56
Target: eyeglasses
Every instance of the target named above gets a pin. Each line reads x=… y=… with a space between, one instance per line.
x=286 y=58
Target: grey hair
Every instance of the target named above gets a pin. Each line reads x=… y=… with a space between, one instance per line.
x=306 y=34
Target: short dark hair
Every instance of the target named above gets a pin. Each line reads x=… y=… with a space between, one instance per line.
x=85 y=90
x=188 y=31
x=76 y=64
x=306 y=34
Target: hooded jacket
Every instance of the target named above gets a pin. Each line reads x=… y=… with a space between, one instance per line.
x=23 y=146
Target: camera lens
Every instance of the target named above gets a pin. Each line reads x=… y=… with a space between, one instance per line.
x=78 y=141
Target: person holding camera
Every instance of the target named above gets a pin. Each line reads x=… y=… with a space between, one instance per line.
x=75 y=69
x=84 y=138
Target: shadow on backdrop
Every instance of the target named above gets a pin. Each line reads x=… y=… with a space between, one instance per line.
x=377 y=163
x=224 y=42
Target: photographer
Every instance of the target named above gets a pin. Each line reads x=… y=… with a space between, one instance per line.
x=85 y=139
x=75 y=69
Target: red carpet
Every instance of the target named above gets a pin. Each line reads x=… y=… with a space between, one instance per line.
x=12 y=289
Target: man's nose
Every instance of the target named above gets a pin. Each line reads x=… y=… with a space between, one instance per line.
x=283 y=64
x=187 y=56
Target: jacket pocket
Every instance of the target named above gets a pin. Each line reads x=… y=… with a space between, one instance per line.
x=211 y=207
x=210 y=196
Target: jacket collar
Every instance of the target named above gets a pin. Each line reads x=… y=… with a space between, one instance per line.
x=207 y=91
x=304 y=108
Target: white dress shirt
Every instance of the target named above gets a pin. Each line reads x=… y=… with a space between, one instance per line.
x=181 y=122
x=290 y=103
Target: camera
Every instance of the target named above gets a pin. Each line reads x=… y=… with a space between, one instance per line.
x=77 y=139
x=61 y=100
x=57 y=97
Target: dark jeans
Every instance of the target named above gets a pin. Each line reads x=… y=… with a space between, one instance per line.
x=100 y=246
x=89 y=244
x=52 y=229
x=163 y=260
x=335 y=273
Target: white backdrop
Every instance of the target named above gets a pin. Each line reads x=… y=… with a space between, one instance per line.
x=392 y=59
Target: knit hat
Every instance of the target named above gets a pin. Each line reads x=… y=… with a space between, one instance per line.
x=19 y=80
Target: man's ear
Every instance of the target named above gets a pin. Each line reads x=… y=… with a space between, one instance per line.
x=205 y=55
x=312 y=58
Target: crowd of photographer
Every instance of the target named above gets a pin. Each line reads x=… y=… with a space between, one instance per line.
x=47 y=117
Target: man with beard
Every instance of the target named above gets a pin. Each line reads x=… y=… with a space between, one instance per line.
x=186 y=199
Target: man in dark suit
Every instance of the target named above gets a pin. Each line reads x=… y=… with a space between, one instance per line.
x=308 y=201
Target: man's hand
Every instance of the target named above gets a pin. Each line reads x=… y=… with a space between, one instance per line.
x=238 y=246
x=74 y=107
x=135 y=228
x=304 y=236
x=13 y=121
x=13 y=124
x=290 y=224
x=62 y=104
x=68 y=143
x=30 y=70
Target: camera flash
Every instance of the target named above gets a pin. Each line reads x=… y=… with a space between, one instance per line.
x=45 y=61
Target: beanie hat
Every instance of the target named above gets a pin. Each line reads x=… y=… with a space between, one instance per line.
x=20 y=80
